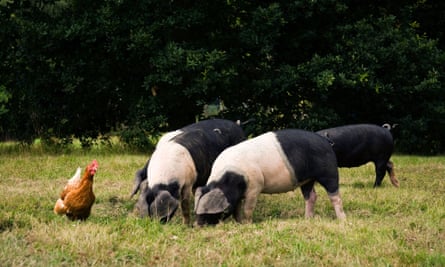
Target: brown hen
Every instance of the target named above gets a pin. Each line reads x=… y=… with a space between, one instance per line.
x=77 y=197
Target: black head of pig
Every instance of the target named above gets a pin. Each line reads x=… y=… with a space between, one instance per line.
x=164 y=206
x=219 y=199
x=158 y=202
x=211 y=206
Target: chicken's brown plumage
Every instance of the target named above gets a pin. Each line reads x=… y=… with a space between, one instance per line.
x=77 y=197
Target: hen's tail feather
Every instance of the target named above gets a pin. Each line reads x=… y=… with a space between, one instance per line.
x=59 y=208
x=76 y=177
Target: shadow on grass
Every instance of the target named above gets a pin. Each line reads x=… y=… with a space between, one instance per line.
x=113 y=207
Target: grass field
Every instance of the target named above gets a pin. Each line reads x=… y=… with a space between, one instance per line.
x=387 y=226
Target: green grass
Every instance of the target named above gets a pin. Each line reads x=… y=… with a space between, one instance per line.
x=385 y=227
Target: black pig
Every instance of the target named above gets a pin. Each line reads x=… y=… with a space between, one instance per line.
x=357 y=144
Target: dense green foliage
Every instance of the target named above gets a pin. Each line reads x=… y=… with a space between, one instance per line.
x=83 y=69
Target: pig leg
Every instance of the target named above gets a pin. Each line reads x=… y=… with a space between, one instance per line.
x=309 y=197
x=249 y=205
x=330 y=183
x=392 y=176
x=185 y=204
x=380 y=171
x=239 y=212
x=338 y=205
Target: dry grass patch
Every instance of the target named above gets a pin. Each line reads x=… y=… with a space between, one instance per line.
x=385 y=226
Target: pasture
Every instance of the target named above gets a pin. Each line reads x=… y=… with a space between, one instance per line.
x=386 y=226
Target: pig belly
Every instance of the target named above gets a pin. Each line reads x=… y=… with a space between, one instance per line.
x=278 y=183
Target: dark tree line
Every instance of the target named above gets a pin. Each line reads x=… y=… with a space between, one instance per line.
x=88 y=68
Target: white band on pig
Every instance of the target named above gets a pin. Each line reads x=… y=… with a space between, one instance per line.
x=286 y=162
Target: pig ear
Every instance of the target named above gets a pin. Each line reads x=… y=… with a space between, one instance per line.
x=138 y=179
x=326 y=135
x=164 y=206
x=212 y=202
x=198 y=194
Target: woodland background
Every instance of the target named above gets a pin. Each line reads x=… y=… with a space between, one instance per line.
x=92 y=69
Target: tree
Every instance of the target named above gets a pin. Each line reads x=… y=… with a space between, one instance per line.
x=84 y=69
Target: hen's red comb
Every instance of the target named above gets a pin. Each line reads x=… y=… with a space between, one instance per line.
x=92 y=168
x=94 y=163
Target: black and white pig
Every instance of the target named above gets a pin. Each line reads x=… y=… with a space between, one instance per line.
x=357 y=144
x=274 y=162
x=182 y=161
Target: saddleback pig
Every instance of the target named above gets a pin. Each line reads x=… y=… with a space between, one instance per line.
x=357 y=144
x=274 y=162
x=182 y=161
